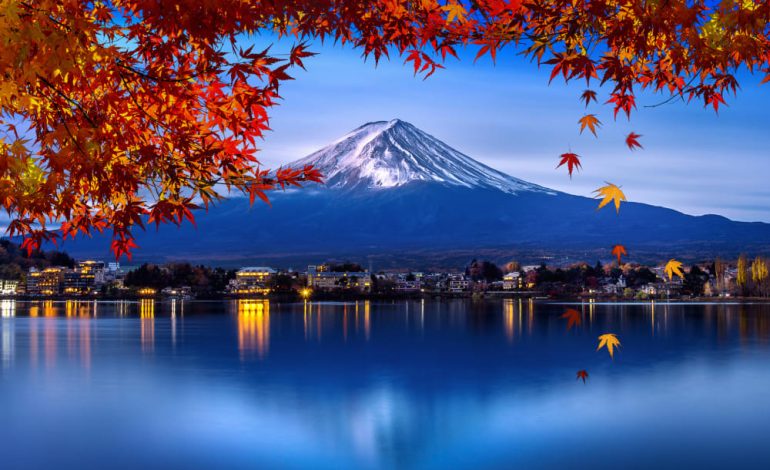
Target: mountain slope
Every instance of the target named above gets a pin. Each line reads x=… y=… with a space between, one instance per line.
x=383 y=155
x=399 y=195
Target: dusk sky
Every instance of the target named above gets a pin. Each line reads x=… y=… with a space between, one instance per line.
x=508 y=117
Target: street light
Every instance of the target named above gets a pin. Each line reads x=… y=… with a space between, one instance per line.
x=305 y=293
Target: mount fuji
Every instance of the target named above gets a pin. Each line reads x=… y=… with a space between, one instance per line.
x=398 y=196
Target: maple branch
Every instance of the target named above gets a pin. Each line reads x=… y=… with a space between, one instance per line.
x=63 y=95
x=69 y=132
x=138 y=106
x=671 y=98
x=51 y=18
x=147 y=76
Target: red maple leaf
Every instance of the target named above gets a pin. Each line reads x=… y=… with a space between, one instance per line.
x=582 y=374
x=572 y=160
x=619 y=250
x=572 y=316
x=631 y=141
x=588 y=96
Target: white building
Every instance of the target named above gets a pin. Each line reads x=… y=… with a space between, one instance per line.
x=8 y=287
x=513 y=281
x=459 y=283
x=252 y=281
x=319 y=278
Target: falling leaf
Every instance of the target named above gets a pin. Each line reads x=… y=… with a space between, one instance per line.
x=582 y=374
x=588 y=96
x=610 y=341
x=674 y=267
x=572 y=316
x=591 y=122
x=619 y=250
x=572 y=160
x=632 y=141
x=610 y=192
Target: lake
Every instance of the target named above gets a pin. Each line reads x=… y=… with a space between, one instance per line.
x=407 y=384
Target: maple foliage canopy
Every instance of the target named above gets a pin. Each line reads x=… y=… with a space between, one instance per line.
x=118 y=111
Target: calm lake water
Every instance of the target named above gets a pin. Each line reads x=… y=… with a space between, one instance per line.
x=453 y=384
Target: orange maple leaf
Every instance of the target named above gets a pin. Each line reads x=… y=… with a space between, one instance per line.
x=591 y=122
x=632 y=141
x=455 y=11
x=572 y=160
x=572 y=316
x=619 y=250
x=582 y=374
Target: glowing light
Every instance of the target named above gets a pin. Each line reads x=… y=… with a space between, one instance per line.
x=254 y=326
x=7 y=308
x=147 y=292
x=147 y=323
x=508 y=320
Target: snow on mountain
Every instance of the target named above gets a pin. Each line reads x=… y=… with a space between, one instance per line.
x=388 y=154
x=380 y=209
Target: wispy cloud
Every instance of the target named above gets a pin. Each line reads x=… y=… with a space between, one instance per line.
x=508 y=117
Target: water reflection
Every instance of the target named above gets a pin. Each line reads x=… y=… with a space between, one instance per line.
x=516 y=318
x=380 y=384
x=254 y=326
x=147 y=324
x=7 y=336
x=7 y=308
x=80 y=308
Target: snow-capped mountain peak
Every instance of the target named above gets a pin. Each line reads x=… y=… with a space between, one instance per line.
x=387 y=154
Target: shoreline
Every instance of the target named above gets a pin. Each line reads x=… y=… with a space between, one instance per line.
x=389 y=298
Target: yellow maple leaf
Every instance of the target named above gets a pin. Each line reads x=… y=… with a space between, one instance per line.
x=610 y=192
x=590 y=121
x=674 y=267
x=454 y=11
x=609 y=341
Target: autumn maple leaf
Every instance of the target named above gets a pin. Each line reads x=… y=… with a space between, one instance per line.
x=588 y=96
x=591 y=122
x=674 y=267
x=610 y=192
x=189 y=113
x=572 y=160
x=572 y=316
x=582 y=374
x=609 y=341
x=632 y=141
x=455 y=11
x=619 y=250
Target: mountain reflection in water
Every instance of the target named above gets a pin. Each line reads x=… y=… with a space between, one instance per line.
x=413 y=384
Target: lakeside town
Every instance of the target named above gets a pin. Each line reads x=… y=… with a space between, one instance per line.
x=56 y=275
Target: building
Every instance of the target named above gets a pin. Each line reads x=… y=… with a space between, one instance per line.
x=513 y=281
x=616 y=287
x=408 y=285
x=324 y=280
x=183 y=292
x=252 y=281
x=8 y=287
x=459 y=283
x=87 y=278
x=49 y=281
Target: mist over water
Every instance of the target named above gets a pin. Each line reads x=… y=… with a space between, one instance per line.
x=417 y=384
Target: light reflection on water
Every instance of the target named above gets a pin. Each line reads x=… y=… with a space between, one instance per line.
x=419 y=384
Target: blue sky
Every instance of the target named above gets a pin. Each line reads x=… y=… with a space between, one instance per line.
x=507 y=116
